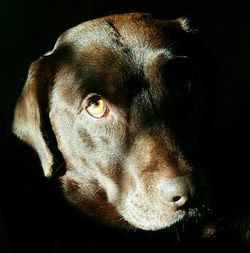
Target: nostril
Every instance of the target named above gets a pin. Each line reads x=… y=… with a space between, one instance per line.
x=180 y=200
x=176 y=198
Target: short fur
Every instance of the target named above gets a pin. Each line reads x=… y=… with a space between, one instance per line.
x=138 y=166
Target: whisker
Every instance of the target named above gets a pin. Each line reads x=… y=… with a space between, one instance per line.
x=57 y=169
x=95 y=192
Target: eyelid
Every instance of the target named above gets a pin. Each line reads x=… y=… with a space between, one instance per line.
x=92 y=98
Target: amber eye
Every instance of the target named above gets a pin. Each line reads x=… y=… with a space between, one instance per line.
x=96 y=106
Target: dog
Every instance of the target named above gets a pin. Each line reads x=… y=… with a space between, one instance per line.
x=123 y=98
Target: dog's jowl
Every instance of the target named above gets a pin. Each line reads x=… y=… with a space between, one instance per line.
x=122 y=97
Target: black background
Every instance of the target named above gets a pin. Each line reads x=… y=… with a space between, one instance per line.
x=30 y=208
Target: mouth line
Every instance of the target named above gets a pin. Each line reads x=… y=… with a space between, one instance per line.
x=153 y=220
x=160 y=219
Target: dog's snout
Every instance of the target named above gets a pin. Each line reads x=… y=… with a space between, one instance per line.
x=177 y=191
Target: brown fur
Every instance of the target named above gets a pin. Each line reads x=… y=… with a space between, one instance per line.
x=130 y=166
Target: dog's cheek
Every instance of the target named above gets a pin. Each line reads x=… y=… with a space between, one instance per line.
x=63 y=124
x=93 y=153
x=86 y=195
x=74 y=141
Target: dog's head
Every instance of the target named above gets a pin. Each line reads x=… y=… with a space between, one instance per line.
x=123 y=99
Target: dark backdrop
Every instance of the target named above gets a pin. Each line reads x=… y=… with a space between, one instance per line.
x=29 y=213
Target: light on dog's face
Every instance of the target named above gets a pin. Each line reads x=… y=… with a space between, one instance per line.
x=96 y=106
x=126 y=164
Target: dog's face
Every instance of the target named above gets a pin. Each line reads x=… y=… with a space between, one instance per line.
x=116 y=95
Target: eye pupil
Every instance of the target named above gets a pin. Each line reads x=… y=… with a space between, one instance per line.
x=95 y=100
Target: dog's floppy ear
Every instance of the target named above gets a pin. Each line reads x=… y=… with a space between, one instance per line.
x=28 y=118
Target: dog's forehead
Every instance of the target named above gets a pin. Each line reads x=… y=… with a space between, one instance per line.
x=133 y=30
x=107 y=54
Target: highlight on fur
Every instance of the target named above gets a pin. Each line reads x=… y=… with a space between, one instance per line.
x=139 y=163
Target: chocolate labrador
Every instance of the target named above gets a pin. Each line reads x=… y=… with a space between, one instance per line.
x=122 y=97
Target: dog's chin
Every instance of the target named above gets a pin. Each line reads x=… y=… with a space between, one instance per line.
x=156 y=223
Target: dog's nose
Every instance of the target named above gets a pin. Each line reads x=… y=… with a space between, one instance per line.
x=177 y=191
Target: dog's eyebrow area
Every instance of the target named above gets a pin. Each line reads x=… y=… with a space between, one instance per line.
x=114 y=74
x=116 y=63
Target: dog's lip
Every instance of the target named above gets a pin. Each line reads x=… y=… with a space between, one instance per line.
x=148 y=216
x=155 y=221
x=180 y=216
